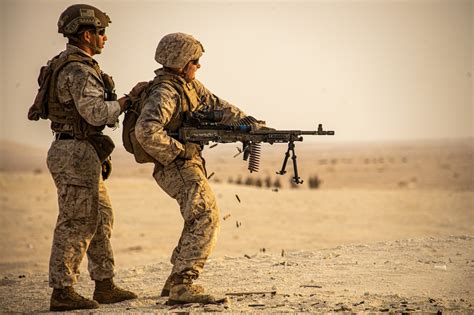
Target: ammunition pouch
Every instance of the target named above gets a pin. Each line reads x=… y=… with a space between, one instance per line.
x=109 y=87
x=102 y=144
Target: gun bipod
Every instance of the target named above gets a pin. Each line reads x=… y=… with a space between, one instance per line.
x=291 y=148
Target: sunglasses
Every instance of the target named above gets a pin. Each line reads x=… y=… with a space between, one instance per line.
x=99 y=31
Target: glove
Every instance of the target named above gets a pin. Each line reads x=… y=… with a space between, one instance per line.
x=106 y=168
x=253 y=123
x=124 y=103
x=126 y=100
x=190 y=150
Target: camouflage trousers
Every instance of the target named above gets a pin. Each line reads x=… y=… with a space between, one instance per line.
x=85 y=220
x=185 y=181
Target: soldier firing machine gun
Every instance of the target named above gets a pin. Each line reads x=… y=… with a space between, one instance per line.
x=204 y=126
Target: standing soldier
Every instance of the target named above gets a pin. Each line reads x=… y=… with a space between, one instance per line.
x=79 y=100
x=173 y=96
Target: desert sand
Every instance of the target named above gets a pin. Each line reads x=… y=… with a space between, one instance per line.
x=388 y=228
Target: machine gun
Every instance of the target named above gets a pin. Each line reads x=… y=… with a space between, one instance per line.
x=204 y=127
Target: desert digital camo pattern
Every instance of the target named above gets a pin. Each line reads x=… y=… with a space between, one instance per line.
x=81 y=85
x=183 y=180
x=81 y=14
x=175 y=50
x=85 y=220
x=161 y=111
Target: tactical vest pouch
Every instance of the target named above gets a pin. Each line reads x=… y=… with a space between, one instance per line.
x=102 y=144
x=109 y=87
x=39 y=109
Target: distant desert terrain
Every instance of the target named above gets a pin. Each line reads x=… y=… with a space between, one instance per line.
x=376 y=227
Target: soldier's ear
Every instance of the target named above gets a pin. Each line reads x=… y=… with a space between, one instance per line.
x=86 y=36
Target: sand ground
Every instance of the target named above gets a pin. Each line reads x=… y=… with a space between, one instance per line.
x=391 y=228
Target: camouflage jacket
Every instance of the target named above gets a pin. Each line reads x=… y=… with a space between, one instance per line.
x=81 y=85
x=163 y=108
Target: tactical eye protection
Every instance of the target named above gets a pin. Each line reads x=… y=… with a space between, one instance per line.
x=98 y=31
x=195 y=62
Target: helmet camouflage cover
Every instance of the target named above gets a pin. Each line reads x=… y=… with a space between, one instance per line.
x=175 y=50
x=81 y=14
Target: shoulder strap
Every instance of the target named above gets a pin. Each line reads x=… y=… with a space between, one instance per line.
x=55 y=110
x=60 y=63
x=178 y=86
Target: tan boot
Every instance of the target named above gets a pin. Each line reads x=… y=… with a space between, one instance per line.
x=67 y=299
x=106 y=292
x=169 y=283
x=188 y=293
x=167 y=287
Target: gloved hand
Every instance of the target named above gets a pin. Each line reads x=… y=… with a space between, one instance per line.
x=124 y=103
x=126 y=100
x=253 y=123
x=106 y=168
x=190 y=150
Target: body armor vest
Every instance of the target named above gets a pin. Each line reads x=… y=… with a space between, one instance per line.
x=189 y=102
x=64 y=116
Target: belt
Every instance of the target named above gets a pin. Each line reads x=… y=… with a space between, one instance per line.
x=64 y=136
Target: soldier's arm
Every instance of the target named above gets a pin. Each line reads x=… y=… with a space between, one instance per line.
x=231 y=112
x=87 y=92
x=149 y=129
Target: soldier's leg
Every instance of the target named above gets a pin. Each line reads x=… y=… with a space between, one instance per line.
x=100 y=253
x=201 y=215
x=72 y=165
x=168 y=283
x=186 y=226
x=101 y=256
x=75 y=227
x=165 y=179
x=189 y=186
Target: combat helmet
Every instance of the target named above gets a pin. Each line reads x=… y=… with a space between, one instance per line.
x=81 y=14
x=175 y=50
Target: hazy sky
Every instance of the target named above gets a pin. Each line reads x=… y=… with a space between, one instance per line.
x=371 y=70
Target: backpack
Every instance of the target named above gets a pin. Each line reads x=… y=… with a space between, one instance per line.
x=134 y=110
x=188 y=96
x=46 y=105
x=129 y=139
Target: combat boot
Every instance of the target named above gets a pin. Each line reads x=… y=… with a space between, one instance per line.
x=184 y=293
x=67 y=299
x=169 y=283
x=106 y=292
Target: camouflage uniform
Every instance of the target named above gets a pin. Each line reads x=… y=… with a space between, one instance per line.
x=183 y=180
x=85 y=219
